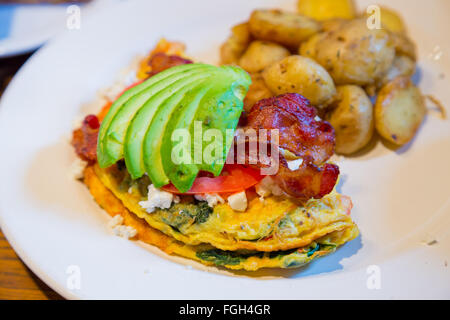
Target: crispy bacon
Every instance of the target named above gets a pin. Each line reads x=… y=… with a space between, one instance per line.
x=162 y=61
x=84 y=139
x=308 y=181
x=299 y=130
x=303 y=134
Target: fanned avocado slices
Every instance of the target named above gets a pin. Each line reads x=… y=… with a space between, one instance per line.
x=220 y=109
x=143 y=122
x=114 y=125
x=140 y=124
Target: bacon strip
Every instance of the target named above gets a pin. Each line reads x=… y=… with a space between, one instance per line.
x=299 y=131
x=303 y=134
x=84 y=139
x=308 y=181
x=161 y=61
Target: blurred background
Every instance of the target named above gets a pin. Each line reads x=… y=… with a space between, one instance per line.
x=25 y=25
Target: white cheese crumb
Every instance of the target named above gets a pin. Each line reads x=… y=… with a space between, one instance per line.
x=267 y=186
x=157 y=199
x=212 y=199
x=176 y=199
x=263 y=189
x=294 y=164
x=116 y=224
x=117 y=220
x=238 y=201
x=76 y=170
x=317 y=118
x=126 y=232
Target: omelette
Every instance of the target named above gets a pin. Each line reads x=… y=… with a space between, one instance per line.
x=168 y=205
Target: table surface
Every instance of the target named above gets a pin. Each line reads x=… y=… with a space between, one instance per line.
x=17 y=282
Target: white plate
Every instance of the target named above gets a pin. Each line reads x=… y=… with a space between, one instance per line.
x=24 y=28
x=401 y=197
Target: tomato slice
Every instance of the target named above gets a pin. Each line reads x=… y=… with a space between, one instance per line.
x=234 y=178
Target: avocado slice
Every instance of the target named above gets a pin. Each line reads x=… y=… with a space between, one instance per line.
x=152 y=147
x=141 y=122
x=219 y=108
x=144 y=121
x=113 y=128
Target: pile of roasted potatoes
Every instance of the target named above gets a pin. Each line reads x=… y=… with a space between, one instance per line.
x=355 y=68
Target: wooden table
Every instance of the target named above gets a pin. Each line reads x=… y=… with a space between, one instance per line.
x=16 y=280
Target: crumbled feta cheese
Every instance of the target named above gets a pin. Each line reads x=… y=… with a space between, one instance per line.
x=116 y=224
x=157 y=199
x=267 y=186
x=76 y=170
x=126 y=232
x=238 y=201
x=317 y=118
x=294 y=164
x=212 y=199
x=263 y=189
x=117 y=220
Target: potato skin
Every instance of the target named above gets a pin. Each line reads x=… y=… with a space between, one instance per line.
x=261 y=54
x=403 y=45
x=352 y=119
x=258 y=90
x=327 y=9
x=308 y=48
x=391 y=20
x=333 y=24
x=297 y=74
x=233 y=48
x=288 y=29
x=354 y=54
x=399 y=111
x=402 y=66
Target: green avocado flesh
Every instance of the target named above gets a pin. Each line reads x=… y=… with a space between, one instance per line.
x=110 y=139
x=140 y=125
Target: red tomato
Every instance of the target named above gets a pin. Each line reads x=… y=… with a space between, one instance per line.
x=234 y=178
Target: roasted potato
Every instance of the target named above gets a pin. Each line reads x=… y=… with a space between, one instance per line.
x=390 y=20
x=261 y=54
x=399 y=111
x=333 y=24
x=233 y=48
x=308 y=48
x=257 y=91
x=300 y=75
x=351 y=116
x=327 y=9
x=402 y=66
x=288 y=29
x=354 y=54
x=403 y=45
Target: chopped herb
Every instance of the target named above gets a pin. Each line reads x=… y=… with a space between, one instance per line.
x=203 y=212
x=220 y=257
x=313 y=250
